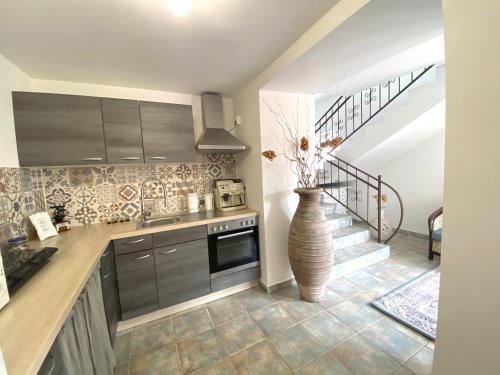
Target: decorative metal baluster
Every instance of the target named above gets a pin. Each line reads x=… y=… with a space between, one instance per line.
x=379 y=213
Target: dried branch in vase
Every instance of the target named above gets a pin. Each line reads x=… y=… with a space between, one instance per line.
x=304 y=163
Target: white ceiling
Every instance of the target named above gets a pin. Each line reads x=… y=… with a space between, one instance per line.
x=219 y=47
x=380 y=31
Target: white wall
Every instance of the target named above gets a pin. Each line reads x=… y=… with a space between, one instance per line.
x=246 y=104
x=11 y=79
x=76 y=88
x=418 y=176
x=469 y=307
x=278 y=180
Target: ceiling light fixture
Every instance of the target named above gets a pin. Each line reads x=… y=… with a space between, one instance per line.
x=180 y=8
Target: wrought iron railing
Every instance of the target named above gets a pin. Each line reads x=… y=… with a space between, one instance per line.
x=352 y=188
x=348 y=185
x=349 y=114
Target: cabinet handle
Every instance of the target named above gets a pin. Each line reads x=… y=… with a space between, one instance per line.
x=136 y=241
x=235 y=234
x=168 y=252
x=92 y=159
x=130 y=158
x=157 y=157
x=107 y=275
x=143 y=257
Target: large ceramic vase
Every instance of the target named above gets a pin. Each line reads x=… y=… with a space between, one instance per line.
x=310 y=246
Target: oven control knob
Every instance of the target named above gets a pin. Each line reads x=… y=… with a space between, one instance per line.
x=214 y=229
x=246 y=222
x=226 y=227
x=251 y=222
x=220 y=227
x=241 y=223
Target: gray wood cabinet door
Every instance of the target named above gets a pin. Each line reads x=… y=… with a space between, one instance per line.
x=182 y=272
x=168 y=133
x=122 y=130
x=109 y=284
x=53 y=129
x=137 y=283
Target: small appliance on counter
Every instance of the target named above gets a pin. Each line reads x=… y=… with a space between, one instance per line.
x=19 y=265
x=229 y=195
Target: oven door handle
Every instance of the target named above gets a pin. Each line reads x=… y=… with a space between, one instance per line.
x=234 y=235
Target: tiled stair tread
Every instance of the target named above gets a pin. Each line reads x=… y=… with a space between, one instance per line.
x=343 y=232
x=337 y=216
x=352 y=252
x=354 y=258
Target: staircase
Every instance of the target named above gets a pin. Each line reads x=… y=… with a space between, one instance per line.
x=353 y=248
x=351 y=194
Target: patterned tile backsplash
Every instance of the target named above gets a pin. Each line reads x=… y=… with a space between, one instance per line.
x=101 y=193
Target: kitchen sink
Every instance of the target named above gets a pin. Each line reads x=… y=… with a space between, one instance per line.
x=169 y=220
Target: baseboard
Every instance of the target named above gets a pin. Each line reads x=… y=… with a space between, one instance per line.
x=126 y=325
x=271 y=288
x=414 y=234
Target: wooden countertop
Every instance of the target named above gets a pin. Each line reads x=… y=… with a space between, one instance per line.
x=30 y=322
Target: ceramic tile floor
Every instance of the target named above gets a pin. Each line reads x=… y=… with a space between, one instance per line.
x=256 y=333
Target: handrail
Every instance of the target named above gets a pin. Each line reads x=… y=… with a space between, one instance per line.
x=336 y=162
x=323 y=121
x=328 y=110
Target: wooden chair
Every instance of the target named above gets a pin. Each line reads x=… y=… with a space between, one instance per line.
x=435 y=231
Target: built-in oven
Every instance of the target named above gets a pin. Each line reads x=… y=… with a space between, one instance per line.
x=233 y=246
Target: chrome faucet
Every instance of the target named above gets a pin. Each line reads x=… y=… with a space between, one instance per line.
x=150 y=179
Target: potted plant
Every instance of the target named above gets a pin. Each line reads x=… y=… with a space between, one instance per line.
x=310 y=243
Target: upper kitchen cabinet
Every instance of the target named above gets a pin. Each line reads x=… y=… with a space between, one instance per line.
x=122 y=130
x=53 y=129
x=167 y=132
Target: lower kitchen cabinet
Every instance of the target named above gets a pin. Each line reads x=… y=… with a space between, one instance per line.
x=137 y=283
x=182 y=272
x=109 y=283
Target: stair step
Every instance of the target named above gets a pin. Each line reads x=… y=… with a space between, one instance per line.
x=339 y=220
x=354 y=258
x=349 y=236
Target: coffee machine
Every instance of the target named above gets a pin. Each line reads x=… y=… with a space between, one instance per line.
x=229 y=195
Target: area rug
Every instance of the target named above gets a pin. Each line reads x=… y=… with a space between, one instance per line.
x=415 y=303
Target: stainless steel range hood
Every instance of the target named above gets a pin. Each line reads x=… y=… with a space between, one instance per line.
x=215 y=139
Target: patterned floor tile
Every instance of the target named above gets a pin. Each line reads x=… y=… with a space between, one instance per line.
x=255 y=298
x=327 y=364
x=354 y=316
x=290 y=300
x=200 y=351
x=421 y=363
x=344 y=288
x=122 y=347
x=331 y=299
x=272 y=319
x=160 y=361
x=329 y=330
x=392 y=341
x=150 y=336
x=403 y=371
x=362 y=359
x=259 y=359
x=191 y=323
x=296 y=346
x=224 y=367
x=121 y=369
x=225 y=309
x=363 y=280
x=239 y=333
